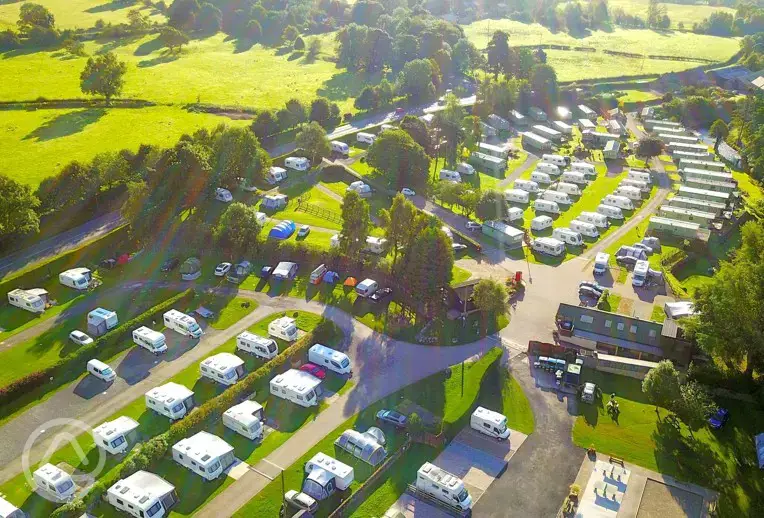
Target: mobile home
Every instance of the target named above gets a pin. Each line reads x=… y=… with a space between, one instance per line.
x=609 y=211
x=568 y=236
x=488 y=162
x=297 y=386
x=550 y=207
x=558 y=160
x=569 y=188
x=642 y=176
x=703 y=194
x=503 y=233
x=649 y=124
x=595 y=218
x=537 y=114
x=246 y=419
x=118 y=436
x=335 y=361
x=647 y=111
x=260 y=346
x=633 y=193
x=225 y=368
x=587 y=112
x=488 y=130
x=586 y=125
x=538 y=177
x=518 y=118
x=526 y=185
x=535 y=142
x=559 y=198
x=497 y=151
x=563 y=113
x=276 y=175
x=549 y=246
x=450 y=176
x=284 y=328
x=707 y=174
x=365 y=138
x=298 y=163
x=595 y=138
x=77 y=278
x=548 y=168
x=642 y=186
x=702 y=218
x=702 y=205
x=52 y=482
x=711 y=185
x=443 y=486
x=33 y=300
x=517 y=196
x=576 y=177
x=205 y=454
x=540 y=223
x=612 y=150
x=563 y=127
x=143 y=495
x=683 y=229
x=547 y=132
x=681 y=154
x=671 y=137
x=622 y=202
x=667 y=130
x=490 y=423
x=674 y=146
x=340 y=147
x=709 y=165
x=153 y=341
x=101 y=320
x=182 y=323
x=584 y=228
x=325 y=475
x=616 y=128
x=170 y=400
x=498 y=122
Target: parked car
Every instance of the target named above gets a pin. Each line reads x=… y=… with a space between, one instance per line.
x=586 y=291
x=392 y=417
x=593 y=285
x=399 y=112
x=222 y=269
x=473 y=226
x=407 y=192
x=304 y=231
x=458 y=247
x=169 y=264
x=80 y=338
x=380 y=294
x=719 y=418
x=266 y=272
x=301 y=501
x=314 y=370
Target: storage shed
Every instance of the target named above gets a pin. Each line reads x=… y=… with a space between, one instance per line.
x=363 y=446
x=510 y=237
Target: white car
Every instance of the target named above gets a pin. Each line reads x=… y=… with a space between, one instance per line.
x=79 y=337
x=301 y=501
x=304 y=231
x=222 y=269
x=473 y=225
x=407 y=192
x=458 y=247
x=223 y=195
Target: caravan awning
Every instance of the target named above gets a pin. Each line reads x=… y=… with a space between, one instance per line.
x=627 y=344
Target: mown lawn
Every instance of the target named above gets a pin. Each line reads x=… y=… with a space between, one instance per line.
x=687 y=14
x=228 y=312
x=79 y=13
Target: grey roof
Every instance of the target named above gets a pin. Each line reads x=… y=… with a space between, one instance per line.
x=607 y=324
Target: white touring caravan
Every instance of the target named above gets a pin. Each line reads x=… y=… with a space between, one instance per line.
x=517 y=196
x=548 y=168
x=443 y=485
x=101 y=320
x=526 y=185
x=576 y=177
x=584 y=167
x=274 y=176
x=29 y=300
x=366 y=287
x=642 y=176
x=568 y=236
x=182 y=323
x=610 y=211
x=491 y=423
x=77 y=278
x=365 y=138
x=246 y=419
x=549 y=246
x=633 y=193
x=170 y=400
x=260 y=346
x=153 y=341
x=559 y=198
x=8 y=510
x=325 y=475
x=225 y=368
x=584 y=228
x=569 y=188
x=298 y=163
x=622 y=202
x=333 y=360
x=595 y=218
x=546 y=206
x=296 y=386
x=465 y=168
x=514 y=214
x=540 y=177
x=642 y=186
x=375 y=245
x=143 y=495
x=205 y=454
x=601 y=263
x=450 y=176
x=541 y=223
x=558 y=160
x=116 y=436
x=284 y=328
x=53 y=482
x=340 y=147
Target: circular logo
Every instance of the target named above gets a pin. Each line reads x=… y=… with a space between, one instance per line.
x=57 y=433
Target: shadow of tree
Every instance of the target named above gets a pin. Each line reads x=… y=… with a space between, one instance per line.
x=148 y=47
x=114 y=5
x=165 y=57
x=346 y=84
x=66 y=124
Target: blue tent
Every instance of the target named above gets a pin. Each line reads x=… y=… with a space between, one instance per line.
x=283 y=230
x=331 y=277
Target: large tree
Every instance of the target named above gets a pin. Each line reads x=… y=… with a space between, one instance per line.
x=719 y=131
x=490 y=297
x=694 y=406
x=398 y=222
x=466 y=57
x=355 y=225
x=491 y=205
x=173 y=38
x=429 y=268
x=34 y=15
x=543 y=81
x=661 y=385
x=416 y=80
x=418 y=130
x=312 y=138
x=238 y=158
x=75 y=184
x=450 y=131
x=103 y=75
x=237 y=229
x=649 y=147
x=403 y=162
x=182 y=14
x=498 y=53
x=18 y=209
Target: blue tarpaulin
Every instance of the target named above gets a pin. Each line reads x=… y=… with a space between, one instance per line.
x=283 y=230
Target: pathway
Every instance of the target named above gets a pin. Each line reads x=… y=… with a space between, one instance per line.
x=518 y=172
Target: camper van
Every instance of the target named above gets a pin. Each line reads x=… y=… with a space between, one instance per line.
x=569 y=188
x=540 y=177
x=517 y=196
x=182 y=323
x=333 y=360
x=170 y=400
x=8 y=510
x=375 y=245
x=633 y=193
x=548 y=168
x=546 y=206
x=205 y=454
x=540 y=223
x=642 y=176
x=298 y=163
x=595 y=218
x=246 y=419
x=450 y=176
x=526 y=185
x=584 y=228
x=297 y=386
x=365 y=138
x=622 y=202
x=490 y=423
x=549 y=246
x=558 y=160
x=444 y=486
x=576 y=177
x=366 y=288
x=601 y=263
x=641 y=269
x=568 y=236
x=225 y=368
x=325 y=475
x=465 y=168
x=153 y=341
x=52 y=481
x=101 y=371
x=340 y=147
x=143 y=495
x=317 y=275
x=642 y=186
x=560 y=198
x=77 y=278
x=260 y=346
x=584 y=167
x=284 y=328
x=116 y=437
x=29 y=300
x=610 y=211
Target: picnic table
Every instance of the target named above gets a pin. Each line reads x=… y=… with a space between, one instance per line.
x=608 y=491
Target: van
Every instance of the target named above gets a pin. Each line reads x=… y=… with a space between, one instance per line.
x=540 y=177
x=541 y=223
x=490 y=423
x=365 y=138
x=526 y=185
x=584 y=228
x=298 y=163
x=549 y=246
x=610 y=211
x=576 y=177
x=633 y=193
x=465 y=168
x=517 y=196
x=260 y=346
x=153 y=341
x=560 y=198
x=367 y=287
x=450 y=176
x=101 y=371
x=340 y=147
x=595 y=218
x=642 y=176
x=333 y=360
x=568 y=236
x=621 y=202
x=548 y=168
x=569 y=188
x=546 y=206
x=558 y=160
x=317 y=275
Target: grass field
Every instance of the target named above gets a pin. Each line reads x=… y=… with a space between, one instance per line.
x=78 y=13
x=685 y=13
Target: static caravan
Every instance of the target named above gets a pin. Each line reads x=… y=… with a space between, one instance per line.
x=365 y=446
x=8 y=510
x=182 y=323
x=549 y=246
x=540 y=223
x=299 y=387
x=487 y=130
x=366 y=287
x=225 y=368
x=667 y=130
x=702 y=218
x=692 y=155
x=559 y=198
x=622 y=202
x=53 y=482
x=647 y=111
x=595 y=138
x=170 y=400
x=375 y=245
x=490 y=423
x=535 y=142
x=276 y=175
x=703 y=194
x=708 y=165
x=642 y=186
x=100 y=321
x=683 y=229
x=465 y=168
x=702 y=205
x=558 y=160
x=283 y=328
x=612 y=150
x=548 y=168
x=576 y=177
x=610 y=211
x=587 y=112
x=563 y=127
x=205 y=454
x=711 y=185
x=595 y=218
x=443 y=486
x=153 y=341
x=77 y=278
x=642 y=176
x=503 y=233
x=365 y=138
x=586 y=125
x=260 y=346
x=298 y=163
x=498 y=122
x=569 y=188
x=550 y=207
x=246 y=419
x=143 y=495
x=335 y=361
x=517 y=196
x=450 y=176
x=633 y=193
x=670 y=137
x=568 y=236
x=547 y=132
x=675 y=146
x=616 y=128
x=488 y=162
x=649 y=124
x=340 y=147
x=584 y=228
x=518 y=119
x=325 y=475
x=538 y=177
x=30 y=300
x=707 y=174
x=118 y=436
x=497 y=151
x=537 y=114
x=526 y=185
x=601 y=263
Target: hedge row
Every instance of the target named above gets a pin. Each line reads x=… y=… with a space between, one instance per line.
x=42 y=102
x=154 y=449
x=72 y=365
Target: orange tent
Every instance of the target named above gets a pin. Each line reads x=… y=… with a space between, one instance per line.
x=350 y=281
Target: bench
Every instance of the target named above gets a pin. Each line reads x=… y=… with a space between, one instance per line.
x=616 y=460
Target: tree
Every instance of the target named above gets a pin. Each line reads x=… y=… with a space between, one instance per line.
x=34 y=15
x=238 y=157
x=661 y=385
x=324 y=112
x=137 y=19
x=694 y=405
x=297 y=110
x=415 y=80
x=656 y=12
x=74 y=47
x=172 y=38
x=719 y=131
x=264 y=124
x=649 y=147
x=18 y=209
x=574 y=18
x=182 y=14
x=465 y=56
x=237 y=229
x=491 y=205
x=398 y=222
x=103 y=75
x=428 y=266
x=543 y=82
x=314 y=49
x=209 y=19
x=290 y=34
x=72 y=186
x=312 y=138
x=490 y=297
x=401 y=160
x=355 y=225
x=415 y=425
x=135 y=201
x=498 y=54
x=417 y=129
x=448 y=123
x=368 y=99
x=254 y=30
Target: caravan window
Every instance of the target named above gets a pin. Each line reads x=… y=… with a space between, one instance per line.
x=64 y=486
x=486 y=425
x=230 y=375
x=272 y=348
x=177 y=408
x=345 y=363
x=117 y=442
x=310 y=395
x=608 y=323
x=337 y=365
x=299 y=398
x=587 y=319
x=154 y=509
x=214 y=467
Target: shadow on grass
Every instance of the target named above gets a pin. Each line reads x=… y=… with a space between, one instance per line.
x=66 y=124
x=114 y=5
x=346 y=84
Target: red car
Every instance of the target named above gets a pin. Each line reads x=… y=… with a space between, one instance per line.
x=315 y=370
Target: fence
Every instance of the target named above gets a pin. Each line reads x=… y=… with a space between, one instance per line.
x=304 y=206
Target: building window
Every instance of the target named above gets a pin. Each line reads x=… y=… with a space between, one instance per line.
x=588 y=319
x=608 y=323
x=652 y=333
x=633 y=329
x=620 y=326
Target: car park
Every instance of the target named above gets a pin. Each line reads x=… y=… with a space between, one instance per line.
x=472 y=226
x=314 y=370
x=300 y=501
x=719 y=418
x=380 y=294
x=304 y=231
x=407 y=192
x=80 y=338
x=169 y=264
x=222 y=269
x=392 y=417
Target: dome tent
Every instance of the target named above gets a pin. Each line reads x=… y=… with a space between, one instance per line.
x=363 y=446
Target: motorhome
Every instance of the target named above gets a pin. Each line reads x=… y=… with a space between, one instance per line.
x=170 y=400
x=225 y=368
x=340 y=147
x=569 y=188
x=610 y=211
x=366 y=287
x=465 y=168
x=622 y=202
x=365 y=138
x=143 y=495
x=30 y=300
x=584 y=228
x=182 y=323
x=601 y=263
x=116 y=437
x=642 y=176
x=246 y=419
x=297 y=386
x=325 y=475
x=490 y=423
x=546 y=206
x=205 y=454
x=101 y=320
x=77 y=278
x=298 y=163
x=450 y=176
x=375 y=245
x=8 y=510
x=517 y=196
x=549 y=246
x=576 y=177
x=317 y=275
x=153 y=341
x=284 y=328
x=101 y=370
x=642 y=186
x=568 y=236
x=540 y=177
x=497 y=151
x=535 y=142
x=540 y=223
x=547 y=133
x=260 y=346
x=559 y=198
x=444 y=486
x=595 y=218
x=584 y=167
x=333 y=360
x=526 y=185
x=548 y=168
x=633 y=193
x=558 y=160
x=275 y=175
x=54 y=483
x=641 y=269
